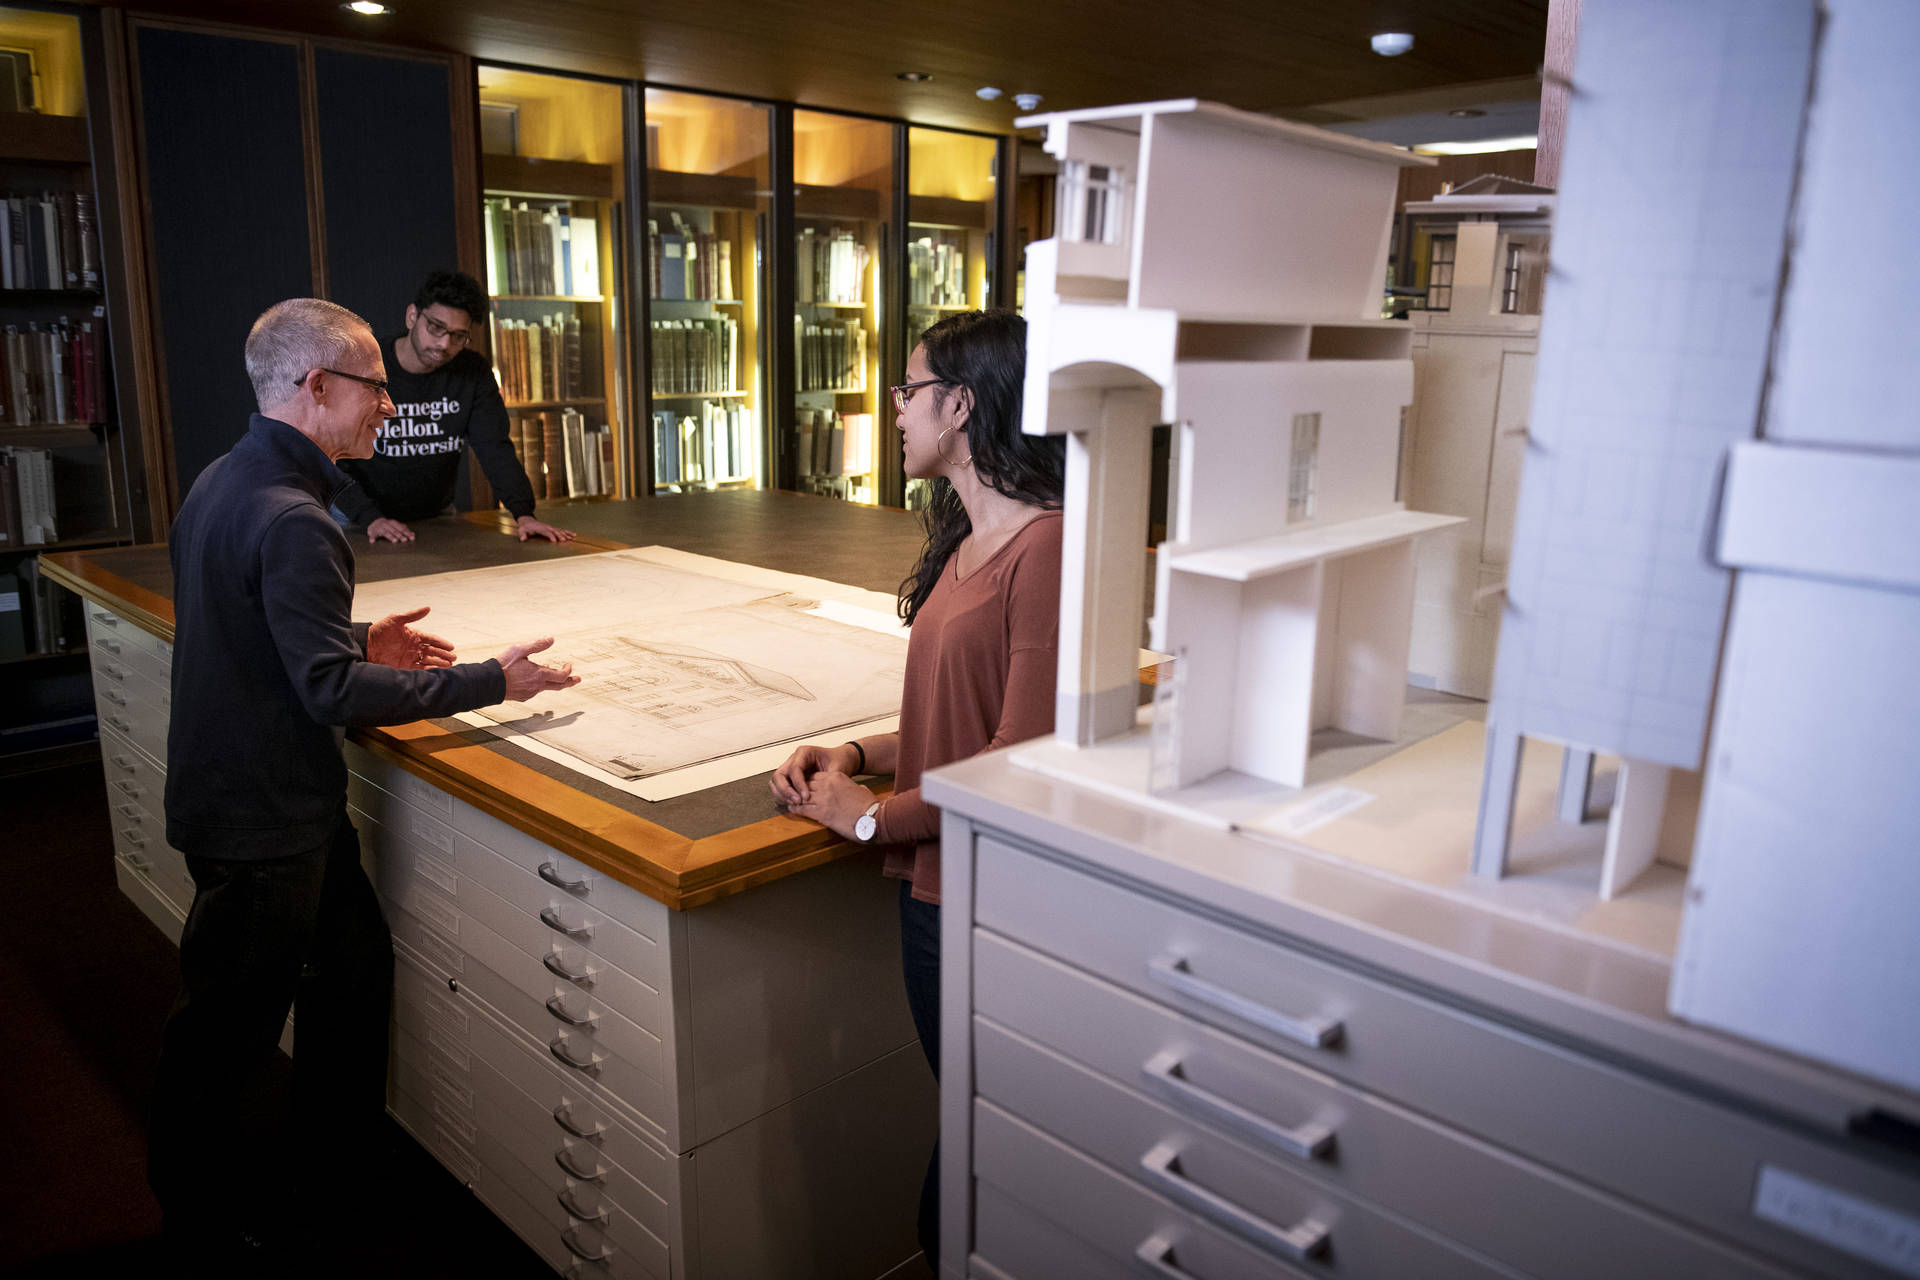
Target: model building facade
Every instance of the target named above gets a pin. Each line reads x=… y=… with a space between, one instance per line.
x=1222 y=271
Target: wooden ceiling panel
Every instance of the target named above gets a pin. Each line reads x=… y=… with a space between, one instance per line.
x=1264 y=55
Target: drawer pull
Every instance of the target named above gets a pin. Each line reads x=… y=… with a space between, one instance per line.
x=111 y=646
x=579 y=1250
x=559 y=1011
x=112 y=672
x=106 y=619
x=138 y=864
x=564 y=1158
x=128 y=789
x=550 y=872
x=133 y=837
x=1303 y=1141
x=572 y=1206
x=1298 y=1242
x=129 y=810
x=1316 y=1031
x=555 y=923
x=117 y=699
x=589 y=1064
x=120 y=724
x=563 y=1116
x=123 y=762
x=582 y=979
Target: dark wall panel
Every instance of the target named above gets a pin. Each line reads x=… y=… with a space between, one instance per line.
x=386 y=174
x=226 y=183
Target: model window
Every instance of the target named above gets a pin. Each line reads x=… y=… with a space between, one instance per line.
x=1303 y=467
x=1440 y=275
x=1524 y=266
x=1095 y=204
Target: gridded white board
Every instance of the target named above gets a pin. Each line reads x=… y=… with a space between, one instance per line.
x=683 y=659
x=1799 y=929
x=1667 y=254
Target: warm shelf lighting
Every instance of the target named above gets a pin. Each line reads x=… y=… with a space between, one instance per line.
x=368 y=7
x=1480 y=147
x=915 y=77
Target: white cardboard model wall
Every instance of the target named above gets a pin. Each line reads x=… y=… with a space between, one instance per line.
x=1223 y=271
x=1670 y=566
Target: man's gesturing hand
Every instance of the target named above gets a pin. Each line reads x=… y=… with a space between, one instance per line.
x=526 y=677
x=392 y=642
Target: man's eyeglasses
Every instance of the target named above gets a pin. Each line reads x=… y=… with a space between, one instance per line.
x=904 y=392
x=375 y=383
x=457 y=337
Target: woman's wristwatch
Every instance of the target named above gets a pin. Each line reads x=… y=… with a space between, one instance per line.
x=866 y=824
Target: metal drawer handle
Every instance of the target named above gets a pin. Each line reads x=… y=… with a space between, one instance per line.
x=582 y=1269
x=129 y=810
x=550 y=872
x=1299 y=1242
x=572 y=1206
x=553 y=922
x=559 y=1011
x=120 y=724
x=123 y=762
x=563 y=1116
x=111 y=646
x=559 y=1050
x=580 y=1251
x=106 y=619
x=118 y=700
x=1316 y=1031
x=131 y=791
x=1303 y=1141
x=564 y=1158
x=138 y=864
x=112 y=672
x=134 y=838
x=582 y=979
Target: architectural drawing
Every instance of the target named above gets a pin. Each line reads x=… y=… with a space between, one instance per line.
x=677 y=666
x=1480 y=252
x=1653 y=356
x=1223 y=271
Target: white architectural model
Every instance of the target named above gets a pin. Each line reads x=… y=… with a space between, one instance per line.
x=1223 y=271
x=1481 y=251
x=1742 y=277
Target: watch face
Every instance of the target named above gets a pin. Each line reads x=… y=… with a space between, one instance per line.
x=863 y=827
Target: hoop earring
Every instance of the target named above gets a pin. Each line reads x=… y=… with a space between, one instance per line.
x=940 y=447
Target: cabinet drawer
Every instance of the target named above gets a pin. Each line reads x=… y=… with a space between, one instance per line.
x=634 y=910
x=123 y=764
x=114 y=637
x=1097 y=1067
x=1670 y=1151
x=542 y=899
x=1017 y=1243
x=1184 y=1230
x=136 y=714
x=140 y=838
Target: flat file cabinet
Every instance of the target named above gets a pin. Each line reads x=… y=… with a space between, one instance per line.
x=732 y=1090
x=1169 y=1051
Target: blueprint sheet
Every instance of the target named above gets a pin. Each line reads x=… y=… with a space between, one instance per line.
x=694 y=671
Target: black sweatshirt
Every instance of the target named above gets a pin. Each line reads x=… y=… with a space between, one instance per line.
x=417 y=457
x=266 y=660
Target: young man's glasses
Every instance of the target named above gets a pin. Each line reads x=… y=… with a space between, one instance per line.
x=375 y=383
x=455 y=337
x=904 y=392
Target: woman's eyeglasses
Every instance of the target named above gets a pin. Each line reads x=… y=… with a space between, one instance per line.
x=904 y=392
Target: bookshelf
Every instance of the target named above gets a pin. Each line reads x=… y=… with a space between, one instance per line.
x=844 y=171
x=552 y=172
x=64 y=479
x=709 y=206
x=949 y=240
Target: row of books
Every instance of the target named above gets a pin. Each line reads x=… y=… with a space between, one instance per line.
x=540 y=248
x=49 y=241
x=833 y=267
x=562 y=456
x=37 y=614
x=695 y=357
x=936 y=272
x=833 y=444
x=706 y=447
x=539 y=360
x=833 y=355
x=52 y=374
x=688 y=264
x=27 y=507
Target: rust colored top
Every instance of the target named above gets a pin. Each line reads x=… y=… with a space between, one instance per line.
x=981 y=667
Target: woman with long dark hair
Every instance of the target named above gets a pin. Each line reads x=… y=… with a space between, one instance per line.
x=984 y=607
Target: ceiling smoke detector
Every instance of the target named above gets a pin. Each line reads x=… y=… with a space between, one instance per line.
x=1026 y=101
x=1391 y=44
x=986 y=94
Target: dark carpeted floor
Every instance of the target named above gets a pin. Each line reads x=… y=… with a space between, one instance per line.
x=85 y=983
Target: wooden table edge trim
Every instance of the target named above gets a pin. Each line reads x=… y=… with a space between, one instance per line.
x=150 y=612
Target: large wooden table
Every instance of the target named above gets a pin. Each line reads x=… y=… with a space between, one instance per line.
x=683 y=852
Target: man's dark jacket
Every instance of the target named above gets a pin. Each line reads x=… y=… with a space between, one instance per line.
x=266 y=660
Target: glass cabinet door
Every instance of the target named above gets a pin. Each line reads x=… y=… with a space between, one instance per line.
x=844 y=179
x=949 y=241
x=709 y=207
x=553 y=168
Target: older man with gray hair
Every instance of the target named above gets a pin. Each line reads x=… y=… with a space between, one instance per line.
x=268 y=669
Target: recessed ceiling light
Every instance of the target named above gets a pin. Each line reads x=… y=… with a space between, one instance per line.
x=1391 y=44
x=915 y=76
x=368 y=7
x=1026 y=101
x=1482 y=147
x=989 y=93
x=1466 y=113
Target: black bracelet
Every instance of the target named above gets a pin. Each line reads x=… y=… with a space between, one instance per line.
x=862 y=751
